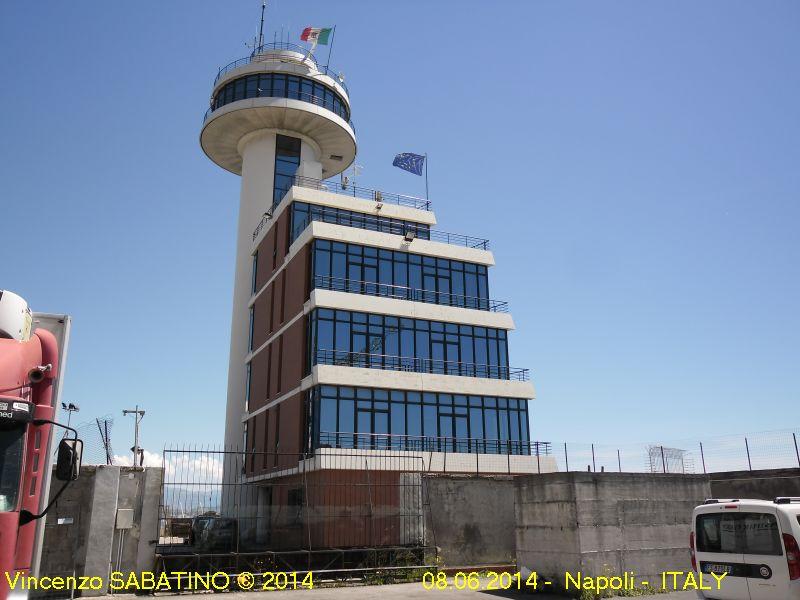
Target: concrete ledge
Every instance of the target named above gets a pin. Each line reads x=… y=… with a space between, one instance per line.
x=419 y=382
x=321 y=298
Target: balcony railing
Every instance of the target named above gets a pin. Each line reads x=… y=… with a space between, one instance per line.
x=412 y=364
x=418 y=443
x=350 y=189
x=255 y=56
x=383 y=224
x=400 y=292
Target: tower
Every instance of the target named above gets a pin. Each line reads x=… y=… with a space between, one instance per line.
x=358 y=328
x=274 y=115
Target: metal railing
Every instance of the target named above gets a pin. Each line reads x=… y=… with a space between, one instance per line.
x=419 y=443
x=713 y=454
x=355 y=191
x=386 y=225
x=255 y=56
x=413 y=364
x=400 y=292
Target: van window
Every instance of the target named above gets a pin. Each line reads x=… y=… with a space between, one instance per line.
x=739 y=533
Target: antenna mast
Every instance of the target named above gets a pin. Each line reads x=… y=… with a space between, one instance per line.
x=261 y=27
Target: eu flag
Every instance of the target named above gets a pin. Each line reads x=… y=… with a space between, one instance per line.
x=408 y=161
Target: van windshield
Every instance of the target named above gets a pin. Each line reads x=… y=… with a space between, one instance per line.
x=12 y=436
x=739 y=533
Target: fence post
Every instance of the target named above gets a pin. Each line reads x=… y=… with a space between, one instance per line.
x=747 y=447
x=796 y=451
x=566 y=457
x=508 y=457
x=619 y=461
x=538 y=460
x=594 y=465
x=702 y=457
x=663 y=460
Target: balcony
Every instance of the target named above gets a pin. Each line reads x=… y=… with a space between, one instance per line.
x=399 y=292
x=416 y=443
x=345 y=188
x=341 y=358
x=410 y=231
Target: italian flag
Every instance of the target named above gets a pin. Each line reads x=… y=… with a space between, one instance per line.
x=316 y=35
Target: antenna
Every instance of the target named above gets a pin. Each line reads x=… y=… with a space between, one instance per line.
x=261 y=27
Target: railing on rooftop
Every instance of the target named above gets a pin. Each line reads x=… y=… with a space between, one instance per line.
x=255 y=56
x=388 y=225
x=350 y=189
x=418 y=443
x=412 y=364
x=400 y=292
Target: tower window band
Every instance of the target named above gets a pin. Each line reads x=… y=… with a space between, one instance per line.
x=279 y=85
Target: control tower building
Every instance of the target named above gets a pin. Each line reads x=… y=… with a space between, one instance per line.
x=357 y=325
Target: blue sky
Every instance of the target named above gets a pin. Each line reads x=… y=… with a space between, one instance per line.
x=633 y=164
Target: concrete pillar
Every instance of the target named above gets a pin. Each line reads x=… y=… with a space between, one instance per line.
x=148 y=525
x=258 y=170
x=100 y=536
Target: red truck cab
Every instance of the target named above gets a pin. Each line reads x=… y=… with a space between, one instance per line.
x=29 y=372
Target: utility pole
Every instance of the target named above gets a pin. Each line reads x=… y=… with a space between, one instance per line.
x=138 y=416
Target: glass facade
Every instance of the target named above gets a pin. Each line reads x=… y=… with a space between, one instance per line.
x=279 y=85
x=378 y=341
x=303 y=214
x=348 y=417
x=287 y=160
x=346 y=267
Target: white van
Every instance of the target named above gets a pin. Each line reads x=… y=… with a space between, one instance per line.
x=754 y=542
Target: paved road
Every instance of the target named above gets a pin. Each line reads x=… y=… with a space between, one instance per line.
x=413 y=591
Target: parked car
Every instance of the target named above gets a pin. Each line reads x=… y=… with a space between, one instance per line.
x=754 y=542
x=218 y=535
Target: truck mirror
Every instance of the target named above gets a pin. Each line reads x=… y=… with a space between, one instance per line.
x=68 y=464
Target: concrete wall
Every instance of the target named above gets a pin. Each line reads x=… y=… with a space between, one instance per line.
x=81 y=535
x=600 y=522
x=470 y=518
x=761 y=485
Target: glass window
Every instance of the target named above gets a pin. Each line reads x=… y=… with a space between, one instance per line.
x=738 y=533
x=12 y=439
x=443 y=418
x=293 y=87
x=278 y=86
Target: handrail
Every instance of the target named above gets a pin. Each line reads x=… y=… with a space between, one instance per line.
x=401 y=292
x=255 y=55
x=350 y=189
x=388 y=225
x=413 y=364
x=420 y=443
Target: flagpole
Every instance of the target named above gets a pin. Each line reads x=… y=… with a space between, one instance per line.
x=330 y=48
x=426 y=177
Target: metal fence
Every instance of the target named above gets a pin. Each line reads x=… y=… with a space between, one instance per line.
x=234 y=511
x=413 y=364
x=746 y=452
